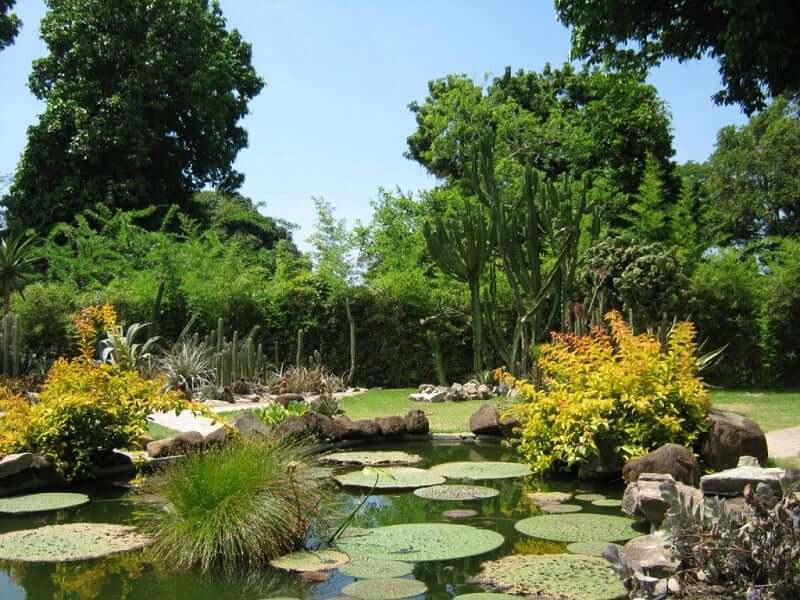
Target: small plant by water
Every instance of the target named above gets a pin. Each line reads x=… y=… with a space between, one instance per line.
x=240 y=505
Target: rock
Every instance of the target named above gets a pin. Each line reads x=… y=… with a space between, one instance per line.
x=650 y=555
x=143 y=440
x=345 y=425
x=285 y=399
x=248 y=424
x=669 y=458
x=433 y=396
x=416 y=422
x=366 y=428
x=216 y=437
x=456 y=393
x=174 y=446
x=648 y=498
x=748 y=461
x=729 y=437
x=509 y=425
x=391 y=426
x=113 y=464
x=486 y=421
x=732 y=482
x=485 y=392
x=11 y=464
x=472 y=390
x=322 y=426
x=426 y=388
x=293 y=425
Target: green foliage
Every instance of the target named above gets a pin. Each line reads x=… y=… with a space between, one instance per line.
x=16 y=258
x=649 y=218
x=146 y=108
x=9 y=23
x=637 y=34
x=120 y=347
x=239 y=505
x=187 y=365
x=275 y=413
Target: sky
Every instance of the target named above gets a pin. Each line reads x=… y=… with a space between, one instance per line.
x=333 y=118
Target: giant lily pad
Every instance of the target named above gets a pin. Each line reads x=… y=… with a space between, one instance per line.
x=70 y=542
x=307 y=561
x=589 y=497
x=33 y=503
x=578 y=527
x=456 y=492
x=376 y=458
x=554 y=575
x=390 y=478
x=486 y=596
x=560 y=509
x=422 y=542
x=384 y=588
x=550 y=497
x=370 y=568
x=481 y=470
x=607 y=502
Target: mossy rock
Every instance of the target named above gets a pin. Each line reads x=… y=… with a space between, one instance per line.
x=589 y=497
x=560 y=509
x=70 y=542
x=578 y=527
x=390 y=478
x=607 y=502
x=385 y=588
x=589 y=548
x=306 y=561
x=422 y=542
x=554 y=575
x=370 y=568
x=457 y=492
x=550 y=497
x=486 y=596
x=481 y=470
x=44 y=502
x=377 y=458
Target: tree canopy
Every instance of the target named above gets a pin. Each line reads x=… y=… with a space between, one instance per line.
x=757 y=42
x=143 y=103
x=9 y=23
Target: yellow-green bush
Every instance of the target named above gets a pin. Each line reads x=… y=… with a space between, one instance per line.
x=615 y=388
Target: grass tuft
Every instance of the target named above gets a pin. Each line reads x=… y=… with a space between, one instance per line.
x=236 y=506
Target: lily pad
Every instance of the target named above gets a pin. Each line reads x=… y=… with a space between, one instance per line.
x=422 y=542
x=554 y=575
x=370 y=568
x=390 y=478
x=589 y=497
x=385 y=588
x=486 y=596
x=70 y=542
x=560 y=509
x=460 y=513
x=481 y=470
x=550 y=497
x=44 y=502
x=589 y=548
x=607 y=502
x=375 y=458
x=456 y=492
x=579 y=527
x=305 y=561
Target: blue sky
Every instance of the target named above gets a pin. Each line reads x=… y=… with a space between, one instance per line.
x=333 y=119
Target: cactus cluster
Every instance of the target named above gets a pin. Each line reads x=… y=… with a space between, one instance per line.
x=10 y=345
x=236 y=359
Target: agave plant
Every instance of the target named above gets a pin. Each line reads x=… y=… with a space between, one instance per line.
x=121 y=348
x=16 y=258
x=188 y=365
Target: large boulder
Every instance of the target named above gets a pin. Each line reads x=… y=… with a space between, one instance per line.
x=416 y=422
x=216 y=437
x=729 y=437
x=430 y=393
x=366 y=428
x=732 y=482
x=347 y=428
x=669 y=458
x=249 y=425
x=649 y=497
x=650 y=555
x=11 y=464
x=391 y=426
x=174 y=446
x=486 y=421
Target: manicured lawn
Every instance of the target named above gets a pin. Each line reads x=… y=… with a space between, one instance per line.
x=159 y=432
x=771 y=410
x=445 y=417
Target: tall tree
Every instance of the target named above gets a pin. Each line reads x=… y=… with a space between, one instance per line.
x=9 y=23
x=757 y=42
x=143 y=103
x=649 y=218
x=753 y=183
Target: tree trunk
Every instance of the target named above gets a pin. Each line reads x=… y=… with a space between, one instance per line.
x=352 y=325
x=477 y=328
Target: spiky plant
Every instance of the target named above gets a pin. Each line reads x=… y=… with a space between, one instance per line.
x=16 y=259
x=121 y=348
x=240 y=505
x=188 y=365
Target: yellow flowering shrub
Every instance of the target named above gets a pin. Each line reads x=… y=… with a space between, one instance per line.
x=14 y=422
x=612 y=387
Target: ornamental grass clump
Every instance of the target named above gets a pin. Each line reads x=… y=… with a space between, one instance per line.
x=240 y=505
x=613 y=389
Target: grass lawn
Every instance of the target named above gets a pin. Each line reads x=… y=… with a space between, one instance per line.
x=771 y=410
x=445 y=417
x=159 y=432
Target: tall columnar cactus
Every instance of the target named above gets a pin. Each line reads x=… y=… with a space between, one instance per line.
x=461 y=247
x=10 y=345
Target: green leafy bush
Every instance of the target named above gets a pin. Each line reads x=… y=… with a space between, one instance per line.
x=275 y=413
x=239 y=505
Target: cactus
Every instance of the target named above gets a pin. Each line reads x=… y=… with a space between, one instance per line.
x=11 y=345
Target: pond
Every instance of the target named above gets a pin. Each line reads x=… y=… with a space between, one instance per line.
x=130 y=577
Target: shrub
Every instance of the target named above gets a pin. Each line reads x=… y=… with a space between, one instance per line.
x=275 y=413
x=239 y=505
x=618 y=389
x=14 y=422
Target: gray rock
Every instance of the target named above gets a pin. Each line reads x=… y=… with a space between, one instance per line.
x=732 y=482
x=416 y=422
x=11 y=464
x=174 y=446
x=347 y=427
x=433 y=396
x=293 y=425
x=216 y=437
x=648 y=498
x=486 y=421
x=248 y=424
x=391 y=426
x=748 y=461
x=650 y=555
x=669 y=458
x=729 y=437
x=366 y=428
x=485 y=392
x=472 y=390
